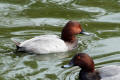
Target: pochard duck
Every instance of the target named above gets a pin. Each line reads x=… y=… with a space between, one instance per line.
x=45 y=44
x=88 y=72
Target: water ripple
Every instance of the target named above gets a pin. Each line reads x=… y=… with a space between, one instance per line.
x=90 y=9
x=69 y=74
x=111 y=18
x=21 y=22
x=9 y=9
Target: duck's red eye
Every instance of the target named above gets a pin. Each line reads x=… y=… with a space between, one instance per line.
x=78 y=57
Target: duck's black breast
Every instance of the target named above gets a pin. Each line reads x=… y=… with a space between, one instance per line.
x=89 y=75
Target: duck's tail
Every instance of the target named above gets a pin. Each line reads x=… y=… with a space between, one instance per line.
x=18 y=48
x=17 y=44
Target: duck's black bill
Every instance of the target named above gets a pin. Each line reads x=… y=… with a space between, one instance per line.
x=66 y=66
x=85 y=33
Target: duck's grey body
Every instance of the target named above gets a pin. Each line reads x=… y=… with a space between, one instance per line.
x=43 y=44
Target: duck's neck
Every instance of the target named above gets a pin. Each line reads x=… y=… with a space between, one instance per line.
x=87 y=68
x=68 y=38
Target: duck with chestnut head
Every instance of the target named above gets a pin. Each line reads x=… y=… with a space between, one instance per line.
x=88 y=71
x=86 y=64
x=45 y=44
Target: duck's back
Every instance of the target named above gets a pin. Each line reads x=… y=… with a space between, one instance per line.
x=111 y=72
x=44 y=44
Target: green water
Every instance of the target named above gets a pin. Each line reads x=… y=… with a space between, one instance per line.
x=24 y=19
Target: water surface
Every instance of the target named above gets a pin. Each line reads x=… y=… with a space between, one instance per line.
x=21 y=20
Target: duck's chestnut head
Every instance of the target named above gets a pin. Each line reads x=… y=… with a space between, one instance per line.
x=82 y=60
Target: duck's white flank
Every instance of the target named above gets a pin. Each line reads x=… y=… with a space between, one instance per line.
x=44 y=44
